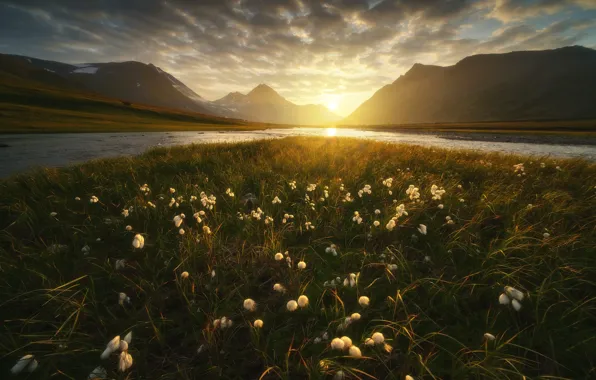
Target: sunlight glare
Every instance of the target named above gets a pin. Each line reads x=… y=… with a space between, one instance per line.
x=331 y=132
x=332 y=106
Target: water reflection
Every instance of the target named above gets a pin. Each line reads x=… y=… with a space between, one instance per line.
x=331 y=132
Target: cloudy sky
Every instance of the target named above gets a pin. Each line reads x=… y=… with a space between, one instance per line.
x=310 y=51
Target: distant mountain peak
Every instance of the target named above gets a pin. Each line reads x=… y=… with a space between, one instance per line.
x=265 y=94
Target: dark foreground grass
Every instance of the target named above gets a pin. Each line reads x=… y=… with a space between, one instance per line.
x=432 y=296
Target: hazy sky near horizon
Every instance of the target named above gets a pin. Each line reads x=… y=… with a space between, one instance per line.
x=317 y=51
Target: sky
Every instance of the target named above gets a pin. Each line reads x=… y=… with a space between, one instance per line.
x=331 y=52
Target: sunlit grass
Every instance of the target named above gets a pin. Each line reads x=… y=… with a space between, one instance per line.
x=414 y=301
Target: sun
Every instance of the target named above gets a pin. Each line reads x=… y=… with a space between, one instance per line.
x=332 y=105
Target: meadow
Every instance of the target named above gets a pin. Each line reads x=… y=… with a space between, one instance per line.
x=300 y=258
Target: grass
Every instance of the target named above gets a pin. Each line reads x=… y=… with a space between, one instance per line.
x=432 y=296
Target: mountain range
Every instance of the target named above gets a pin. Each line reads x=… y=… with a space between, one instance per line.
x=524 y=85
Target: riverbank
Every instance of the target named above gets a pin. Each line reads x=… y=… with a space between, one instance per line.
x=428 y=278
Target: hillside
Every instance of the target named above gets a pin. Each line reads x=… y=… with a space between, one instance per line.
x=526 y=85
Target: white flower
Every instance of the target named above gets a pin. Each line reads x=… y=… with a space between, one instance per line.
x=422 y=229
x=178 y=220
x=355 y=316
x=77 y=199
x=279 y=256
x=206 y=230
x=229 y=193
x=376 y=223
x=128 y=337
x=514 y=293
x=276 y=200
x=93 y=199
x=542 y=165
x=413 y=192
x=122 y=297
x=355 y=352
x=172 y=190
x=128 y=228
x=440 y=206
x=400 y=211
x=279 y=288
x=112 y=346
x=258 y=324
x=292 y=185
x=303 y=301
x=357 y=218
x=27 y=363
x=378 y=338
x=181 y=231
x=546 y=235
x=516 y=305
x=250 y=305
x=369 y=342
x=86 y=249
x=125 y=213
x=184 y=275
x=292 y=305
x=123 y=345
x=489 y=336
x=317 y=340
x=339 y=375
x=503 y=299
x=311 y=187
x=518 y=168
x=138 y=241
x=53 y=214
x=390 y=225
x=98 y=373
x=120 y=264
x=461 y=200
x=337 y=344
x=408 y=377
x=364 y=301
x=301 y=265
x=125 y=361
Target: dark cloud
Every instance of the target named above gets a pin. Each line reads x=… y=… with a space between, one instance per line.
x=303 y=47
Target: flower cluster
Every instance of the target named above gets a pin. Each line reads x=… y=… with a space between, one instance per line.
x=413 y=192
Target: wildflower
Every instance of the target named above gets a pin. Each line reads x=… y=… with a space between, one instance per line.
x=542 y=165
x=172 y=190
x=422 y=229
x=172 y=202
x=388 y=182
x=558 y=168
x=27 y=363
x=357 y=218
x=400 y=211
x=123 y=345
x=86 y=249
x=309 y=226
x=353 y=279
x=93 y=199
x=461 y=200
x=355 y=316
x=339 y=375
x=111 y=347
x=413 y=192
x=369 y=342
x=184 y=275
x=519 y=168
x=125 y=213
x=378 y=338
x=303 y=301
x=125 y=361
x=53 y=214
x=120 y=264
x=516 y=305
x=122 y=297
x=98 y=373
x=392 y=267
x=206 y=230
x=77 y=199
x=489 y=336
x=390 y=225
x=377 y=212
x=128 y=337
x=276 y=200
x=292 y=185
x=436 y=192
x=427 y=259
x=355 y=352
x=268 y=220
x=150 y=204
x=332 y=249
x=459 y=186
x=258 y=324
x=317 y=340
x=440 y=206
x=138 y=241
x=292 y=305
x=178 y=220
x=301 y=265
x=408 y=377
x=376 y=223
x=514 y=293
x=128 y=228
x=546 y=235
x=337 y=344
x=364 y=301
x=503 y=299
x=229 y=193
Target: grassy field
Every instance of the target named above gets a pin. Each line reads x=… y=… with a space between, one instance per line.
x=427 y=291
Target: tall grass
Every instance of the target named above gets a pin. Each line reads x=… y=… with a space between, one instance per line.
x=433 y=305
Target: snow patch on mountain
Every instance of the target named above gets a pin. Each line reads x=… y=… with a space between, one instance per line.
x=86 y=70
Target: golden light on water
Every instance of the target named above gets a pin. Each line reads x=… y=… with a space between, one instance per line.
x=331 y=132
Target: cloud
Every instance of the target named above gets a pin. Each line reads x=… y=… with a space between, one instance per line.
x=306 y=49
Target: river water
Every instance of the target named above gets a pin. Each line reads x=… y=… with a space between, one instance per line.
x=19 y=152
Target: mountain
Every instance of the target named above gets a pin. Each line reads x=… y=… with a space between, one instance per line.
x=131 y=81
x=524 y=85
x=264 y=104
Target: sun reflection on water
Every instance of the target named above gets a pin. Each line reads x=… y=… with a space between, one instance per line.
x=331 y=132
